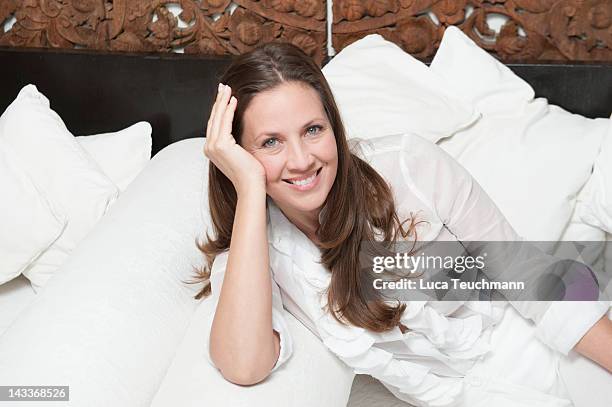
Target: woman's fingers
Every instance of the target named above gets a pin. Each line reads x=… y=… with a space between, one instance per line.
x=228 y=116
x=213 y=112
x=220 y=110
x=217 y=98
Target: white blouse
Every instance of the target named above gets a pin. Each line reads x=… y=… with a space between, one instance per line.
x=426 y=365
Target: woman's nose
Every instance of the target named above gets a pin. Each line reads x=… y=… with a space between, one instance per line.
x=299 y=158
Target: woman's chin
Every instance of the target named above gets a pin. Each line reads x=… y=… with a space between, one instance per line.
x=305 y=204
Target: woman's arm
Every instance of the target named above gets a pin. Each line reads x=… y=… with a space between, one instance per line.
x=242 y=343
x=596 y=344
x=471 y=215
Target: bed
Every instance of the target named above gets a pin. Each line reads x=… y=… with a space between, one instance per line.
x=118 y=324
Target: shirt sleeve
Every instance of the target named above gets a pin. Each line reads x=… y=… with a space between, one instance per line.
x=279 y=323
x=471 y=216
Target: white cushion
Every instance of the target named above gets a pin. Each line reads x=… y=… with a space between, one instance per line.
x=29 y=225
x=69 y=178
x=475 y=76
x=15 y=296
x=382 y=90
x=532 y=158
x=109 y=324
x=594 y=238
x=122 y=154
x=312 y=366
x=597 y=199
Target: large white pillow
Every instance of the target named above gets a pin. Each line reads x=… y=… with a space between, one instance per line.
x=532 y=158
x=122 y=154
x=28 y=222
x=593 y=238
x=596 y=202
x=108 y=325
x=69 y=178
x=311 y=366
x=382 y=90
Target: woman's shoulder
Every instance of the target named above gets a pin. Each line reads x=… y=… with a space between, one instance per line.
x=421 y=174
x=414 y=157
x=405 y=144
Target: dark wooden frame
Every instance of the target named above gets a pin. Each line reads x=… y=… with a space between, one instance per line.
x=100 y=92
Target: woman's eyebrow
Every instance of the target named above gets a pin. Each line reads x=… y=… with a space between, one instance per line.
x=311 y=122
x=305 y=126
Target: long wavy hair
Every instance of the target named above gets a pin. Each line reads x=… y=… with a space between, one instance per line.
x=359 y=205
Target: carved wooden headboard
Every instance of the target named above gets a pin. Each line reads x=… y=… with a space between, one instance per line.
x=528 y=30
x=532 y=30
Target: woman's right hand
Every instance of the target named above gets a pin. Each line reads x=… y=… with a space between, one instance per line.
x=222 y=149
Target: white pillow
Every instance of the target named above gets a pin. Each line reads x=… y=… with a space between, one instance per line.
x=595 y=204
x=29 y=225
x=122 y=154
x=593 y=248
x=475 y=76
x=532 y=158
x=312 y=366
x=382 y=90
x=69 y=178
x=109 y=324
x=597 y=199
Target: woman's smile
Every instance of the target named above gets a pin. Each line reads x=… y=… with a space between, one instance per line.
x=305 y=183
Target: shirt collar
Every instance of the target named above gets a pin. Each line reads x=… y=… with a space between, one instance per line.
x=279 y=228
x=282 y=234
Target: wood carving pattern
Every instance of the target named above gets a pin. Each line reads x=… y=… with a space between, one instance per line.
x=561 y=30
x=536 y=29
x=149 y=26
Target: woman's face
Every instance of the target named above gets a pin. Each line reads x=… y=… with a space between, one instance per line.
x=287 y=131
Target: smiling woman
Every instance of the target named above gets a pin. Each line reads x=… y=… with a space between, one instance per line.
x=291 y=206
x=281 y=136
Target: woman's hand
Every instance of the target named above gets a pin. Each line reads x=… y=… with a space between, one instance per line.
x=596 y=344
x=221 y=148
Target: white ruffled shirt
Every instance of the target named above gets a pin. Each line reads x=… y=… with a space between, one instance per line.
x=426 y=365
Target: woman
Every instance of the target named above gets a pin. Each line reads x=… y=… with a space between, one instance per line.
x=291 y=206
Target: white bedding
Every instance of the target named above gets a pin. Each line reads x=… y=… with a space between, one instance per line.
x=109 y=322
x=189 y=372
x=120 y=328
x=313 y=376
x=15 y=296
x=116 y=315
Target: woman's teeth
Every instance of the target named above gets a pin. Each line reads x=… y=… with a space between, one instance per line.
x=305 y=181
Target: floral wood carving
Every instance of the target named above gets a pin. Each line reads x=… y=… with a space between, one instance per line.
x=575 y=30
x=535 y=30
x=149 y=26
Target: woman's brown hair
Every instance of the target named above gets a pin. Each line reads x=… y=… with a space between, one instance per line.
x=359 y=204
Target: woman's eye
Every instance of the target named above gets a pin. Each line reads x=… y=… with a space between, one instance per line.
x=313 y=129
x=271 y=142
